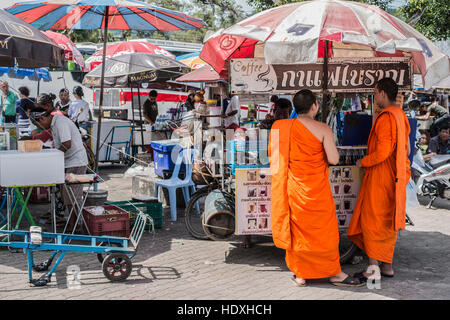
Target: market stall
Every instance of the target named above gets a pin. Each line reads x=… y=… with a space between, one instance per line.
x=284 y=50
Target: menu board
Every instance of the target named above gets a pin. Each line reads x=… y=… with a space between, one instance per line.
x=253 y=201
x=345 y=184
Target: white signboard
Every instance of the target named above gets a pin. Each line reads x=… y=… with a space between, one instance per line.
x=344 y=75
x=345 y=184
x=253 y=201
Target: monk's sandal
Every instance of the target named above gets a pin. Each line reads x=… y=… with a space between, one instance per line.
x=348 y=282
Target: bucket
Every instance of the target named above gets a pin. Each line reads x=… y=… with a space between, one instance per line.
x=218 y=217
x=96 y=198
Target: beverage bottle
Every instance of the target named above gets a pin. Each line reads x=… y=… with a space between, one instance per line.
x=239 y=143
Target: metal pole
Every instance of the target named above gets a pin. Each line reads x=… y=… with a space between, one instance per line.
x=325 y=83
x=140 y=119
x=134 y=122
x=102 y=87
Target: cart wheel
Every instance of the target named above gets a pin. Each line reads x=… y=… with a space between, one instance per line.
x=347 y=248
x=117 y=267
x=101 y=256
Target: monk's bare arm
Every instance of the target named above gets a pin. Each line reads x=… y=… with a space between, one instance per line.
x=384 y=145
x=330 y=146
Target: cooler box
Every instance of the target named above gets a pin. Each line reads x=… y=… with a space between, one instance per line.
x=31 y=168
x=162 y=155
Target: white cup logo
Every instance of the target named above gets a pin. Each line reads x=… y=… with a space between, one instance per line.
x=118 y=68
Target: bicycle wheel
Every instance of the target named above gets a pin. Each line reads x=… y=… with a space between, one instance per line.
x=194 y=212
x=91 y=158
x=347 y=248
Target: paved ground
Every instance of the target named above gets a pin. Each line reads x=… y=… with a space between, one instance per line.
x=172 y=265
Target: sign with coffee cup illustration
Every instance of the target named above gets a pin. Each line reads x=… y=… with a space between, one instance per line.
x=253 y=201
x=345 y=184
x=255 y=76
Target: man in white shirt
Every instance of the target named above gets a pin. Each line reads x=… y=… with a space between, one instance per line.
x=67 y=138
x=231 y=117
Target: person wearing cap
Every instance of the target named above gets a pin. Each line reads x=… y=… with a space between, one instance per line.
x=79 y=109
x=433 y=109
x=44 y=103
x=67 y=138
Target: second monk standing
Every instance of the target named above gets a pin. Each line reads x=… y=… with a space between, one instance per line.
x=303 y=213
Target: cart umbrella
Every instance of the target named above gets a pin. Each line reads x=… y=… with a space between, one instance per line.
x=133 y=69
x=26 y=45
x=106 y=15
x=125 y=47
x=295 y=33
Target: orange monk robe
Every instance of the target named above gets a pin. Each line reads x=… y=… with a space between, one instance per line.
x=380 y=210
x=303 y=216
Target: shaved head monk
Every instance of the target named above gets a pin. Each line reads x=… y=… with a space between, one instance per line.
x=380 y=210
x=304 y=221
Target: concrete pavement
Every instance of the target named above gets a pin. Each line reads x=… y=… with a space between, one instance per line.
x=172 y=265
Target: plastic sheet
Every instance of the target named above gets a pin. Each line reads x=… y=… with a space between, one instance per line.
x=411 y=195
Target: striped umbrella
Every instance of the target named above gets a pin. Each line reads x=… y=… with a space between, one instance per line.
x=125 y=47
x=93 y=14
x=106 y=15
x=296 y=32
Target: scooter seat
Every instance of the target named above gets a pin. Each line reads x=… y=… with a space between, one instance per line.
x=439 y=160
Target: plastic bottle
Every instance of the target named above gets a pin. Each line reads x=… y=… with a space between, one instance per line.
x=239 y=143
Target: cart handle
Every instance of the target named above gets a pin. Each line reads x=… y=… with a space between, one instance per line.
x=138 y=228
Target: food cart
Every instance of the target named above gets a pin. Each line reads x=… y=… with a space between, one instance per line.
x=247 y=159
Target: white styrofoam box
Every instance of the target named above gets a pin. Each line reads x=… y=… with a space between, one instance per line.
x=31 y=168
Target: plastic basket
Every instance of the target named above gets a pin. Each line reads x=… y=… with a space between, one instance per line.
x=117 y=225
x=153 y=209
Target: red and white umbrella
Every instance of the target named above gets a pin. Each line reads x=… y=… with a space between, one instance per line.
x=294 y=34
x=71 y=53
x=125 y=47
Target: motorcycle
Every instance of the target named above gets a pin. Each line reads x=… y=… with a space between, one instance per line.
x=432 y=178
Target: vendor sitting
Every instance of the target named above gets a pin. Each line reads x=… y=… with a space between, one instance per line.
x=67 y=138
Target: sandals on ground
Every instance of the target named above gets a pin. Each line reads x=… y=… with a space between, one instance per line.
x=293 y=279
x=348 y=282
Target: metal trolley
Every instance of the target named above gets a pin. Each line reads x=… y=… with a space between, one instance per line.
x=115 y=253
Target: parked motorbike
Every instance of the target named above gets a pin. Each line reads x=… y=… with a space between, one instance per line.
x=432 y=178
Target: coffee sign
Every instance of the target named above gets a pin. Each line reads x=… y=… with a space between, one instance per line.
x=255 y=76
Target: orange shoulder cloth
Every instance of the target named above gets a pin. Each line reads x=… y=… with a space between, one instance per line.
x=402 y=165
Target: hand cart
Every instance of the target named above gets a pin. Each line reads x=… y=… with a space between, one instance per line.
x=119 y=251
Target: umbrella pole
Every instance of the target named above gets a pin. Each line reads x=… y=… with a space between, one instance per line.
x=102 y=86
x=140 y=119
x=133 y=123
x=325 y=83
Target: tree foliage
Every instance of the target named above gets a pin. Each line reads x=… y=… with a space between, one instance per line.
x=430 y=17
x=267 y=4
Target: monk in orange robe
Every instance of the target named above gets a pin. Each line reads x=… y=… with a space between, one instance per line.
x=380 y=210
x=303 y=216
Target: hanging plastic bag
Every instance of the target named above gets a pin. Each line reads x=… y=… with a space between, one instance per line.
x=411 y=195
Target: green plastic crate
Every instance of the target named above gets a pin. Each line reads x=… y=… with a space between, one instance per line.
x=153 y=209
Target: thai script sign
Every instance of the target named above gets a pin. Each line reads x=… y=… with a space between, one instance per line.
x=255 y=76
